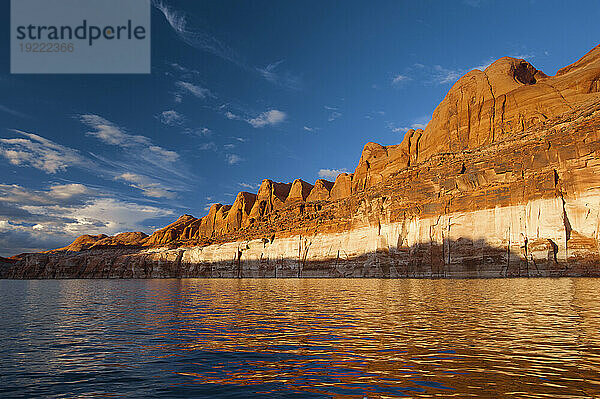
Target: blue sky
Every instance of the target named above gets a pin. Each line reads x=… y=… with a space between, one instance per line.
x=241 y=91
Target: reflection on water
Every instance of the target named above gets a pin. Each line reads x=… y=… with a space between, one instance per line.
x=536 y=338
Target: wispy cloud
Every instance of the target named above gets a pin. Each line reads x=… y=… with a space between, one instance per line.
x=65 y=194
x=399 y=79
x=271 y=117
x=40 y=153
x=13 y=112
x=443 y=75
x=285 y=79
x=171 y=118
x=112 y=134
x=404 y=129
x=331 y=174
x=198 y=131
x=249 y=186
x=158 y=167
x=207 y=206
x=148 y=187
x=195 y=90
x=230 y=115
x=196 y=34
x=210 y=146
x=333 y=116
x=438 y=74
x=192 y=33
x=233 y=159
x=417 y=123
x=183 y=69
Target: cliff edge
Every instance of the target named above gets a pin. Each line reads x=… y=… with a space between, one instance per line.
x=501 y=182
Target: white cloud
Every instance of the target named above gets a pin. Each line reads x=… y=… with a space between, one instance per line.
x=249 y=186
x=193 y=89
x=109 y=133
x=207 y=206
x=331 y=174
x=13 y=112
x=192 y=33
x=183 y=69
x=36 y=220
x=417 y=123
x=40 y=153
x=233 y=159
x=333 y=116
x=443 y=75
x=62 y=193
x=272 y=117
x=285 y=79
x=161 y=168
x=483 y=66
x=231 y=115
x=200 y=132
x=68 y=191
x=146 y=185
x=112 y=134
x=171 y=118
x=210 y=146
x=398 y=79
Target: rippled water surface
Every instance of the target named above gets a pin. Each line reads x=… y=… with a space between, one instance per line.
x=537 y=338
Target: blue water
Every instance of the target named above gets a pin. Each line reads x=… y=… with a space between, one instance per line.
x=534 y=338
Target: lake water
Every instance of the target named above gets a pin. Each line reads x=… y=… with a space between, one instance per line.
x=536 y=338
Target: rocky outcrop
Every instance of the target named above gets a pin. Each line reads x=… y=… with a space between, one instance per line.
x=503 y=181
x=238 y=215
x=342 y=187
x=171 y=232
x=271 y=195
x=508 y=97
x=299 y=191
x=320 y=191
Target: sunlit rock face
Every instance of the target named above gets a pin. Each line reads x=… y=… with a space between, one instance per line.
x=502 y=182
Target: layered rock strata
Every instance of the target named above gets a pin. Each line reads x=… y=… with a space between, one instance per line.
x=502 y=182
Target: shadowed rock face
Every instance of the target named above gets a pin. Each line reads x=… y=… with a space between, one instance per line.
x=505 y=173
x=451 y=259
x=342 y=187
x=271 y=195
x=320 y=191
x=299 y=192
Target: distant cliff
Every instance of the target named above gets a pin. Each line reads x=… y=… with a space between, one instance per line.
x=503 y=181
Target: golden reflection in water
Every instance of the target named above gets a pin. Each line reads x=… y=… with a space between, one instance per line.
x=533 y=338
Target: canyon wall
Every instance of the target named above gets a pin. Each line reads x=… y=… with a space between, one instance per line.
x=502 y=182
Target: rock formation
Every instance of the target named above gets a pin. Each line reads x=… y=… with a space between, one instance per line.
x=503 y=181
x=320 y=191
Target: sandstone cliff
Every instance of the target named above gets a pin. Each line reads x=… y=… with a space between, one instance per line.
x=503 y=181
